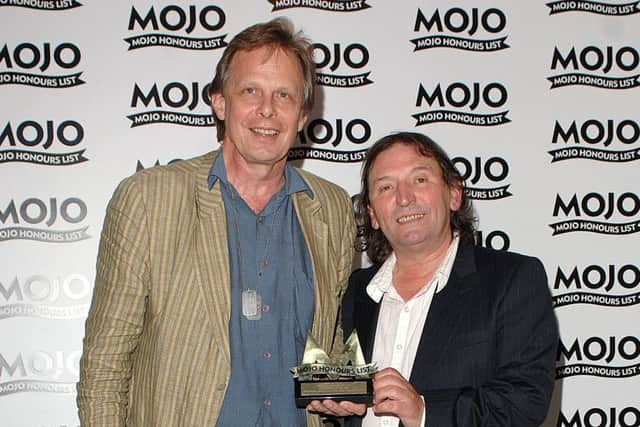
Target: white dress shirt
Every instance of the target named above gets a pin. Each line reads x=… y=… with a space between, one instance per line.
x=400 y=323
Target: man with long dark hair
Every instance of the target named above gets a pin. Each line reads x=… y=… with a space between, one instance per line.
x=464 y=335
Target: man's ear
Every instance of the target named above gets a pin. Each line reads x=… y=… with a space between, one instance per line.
x=456 y=196
x=302 y=120
x=218 y=105
x=372 y=217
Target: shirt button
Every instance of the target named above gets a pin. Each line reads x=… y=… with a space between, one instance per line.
x=406 y=309
x=267 y=402
x=265 y=308
x=399 y=347
x=266 y=355
x=221 y=387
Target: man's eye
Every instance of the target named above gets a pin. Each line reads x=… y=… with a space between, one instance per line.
x=249 y=90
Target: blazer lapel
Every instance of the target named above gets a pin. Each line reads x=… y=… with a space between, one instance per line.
x=212 y=255
x=447 y=308
x=366 y=319
x=315 y=232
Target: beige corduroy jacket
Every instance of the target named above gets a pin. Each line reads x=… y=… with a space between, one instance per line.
x=156 y=347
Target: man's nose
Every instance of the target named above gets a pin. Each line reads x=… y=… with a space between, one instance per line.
x=265 y=109
x=405 y=195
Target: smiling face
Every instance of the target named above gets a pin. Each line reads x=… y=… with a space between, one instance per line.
x=261 y=105
x=410 y=201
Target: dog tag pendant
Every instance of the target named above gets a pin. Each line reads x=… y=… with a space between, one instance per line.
x=251 y=304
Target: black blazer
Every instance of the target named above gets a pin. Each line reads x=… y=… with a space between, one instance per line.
x=487 y=352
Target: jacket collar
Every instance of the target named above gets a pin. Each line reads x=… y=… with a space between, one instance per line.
x=446 y=308
x=212 y=252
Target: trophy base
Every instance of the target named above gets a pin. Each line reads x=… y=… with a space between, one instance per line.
x=351 y=389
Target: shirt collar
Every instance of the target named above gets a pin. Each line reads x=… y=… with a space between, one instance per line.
x=383 y=279
x=293 y=182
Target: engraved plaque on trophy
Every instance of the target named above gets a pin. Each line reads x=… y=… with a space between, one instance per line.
x=346 y=376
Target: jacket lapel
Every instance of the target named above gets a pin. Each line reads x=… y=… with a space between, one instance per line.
x=212 y=255
x=447 y=308
x=366 y=320
x=315 y=232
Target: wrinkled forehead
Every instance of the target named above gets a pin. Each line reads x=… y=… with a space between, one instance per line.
x=263 y=54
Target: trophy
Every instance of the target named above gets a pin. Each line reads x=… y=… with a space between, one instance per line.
x=343 y=377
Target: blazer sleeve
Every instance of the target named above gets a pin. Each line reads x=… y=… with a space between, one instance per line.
x=116 y=316
x=519 y=391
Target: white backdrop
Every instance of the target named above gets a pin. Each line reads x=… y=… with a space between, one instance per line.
x=538 y=103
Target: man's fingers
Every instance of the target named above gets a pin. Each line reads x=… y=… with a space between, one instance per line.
x=320 y=407
x=338 y=409
x=354 y=408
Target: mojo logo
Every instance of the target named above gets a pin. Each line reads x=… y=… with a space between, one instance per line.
x=29 y=58
x=39 y=296
x=329 y=5
x=597 y=133
x=597 y=62
x=601 y=417
x=595 y=356
x=140 y=166
x=41 y=137
x=597 y=205
x=610 y=9
x=456 y=21
x=39 y=371
x=176 y=95
x=355 y=56
x=34 y=212
x=494 y=169
x=593 y=283
x=496 y=239
x=174 y=18
x=52 y=5
x=320 y=131
x=460 y=95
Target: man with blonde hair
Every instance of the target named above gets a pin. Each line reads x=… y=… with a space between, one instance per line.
x=211 y=271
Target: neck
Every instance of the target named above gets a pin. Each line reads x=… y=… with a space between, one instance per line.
x=414 y=269
x=256 y=183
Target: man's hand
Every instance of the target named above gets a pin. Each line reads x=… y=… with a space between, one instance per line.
x=337 y=409
x=394 y=395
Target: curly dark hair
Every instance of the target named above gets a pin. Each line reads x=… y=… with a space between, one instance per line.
x=373 y=240
x=275 y=34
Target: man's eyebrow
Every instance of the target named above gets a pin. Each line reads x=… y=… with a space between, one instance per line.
x=423 y=167
x=380 y=178
x=427 y=168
